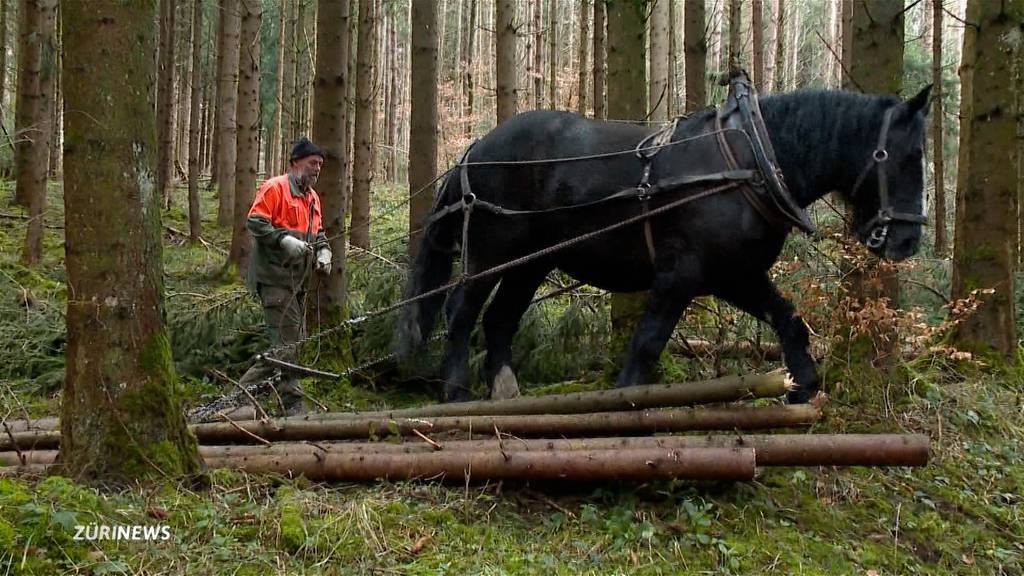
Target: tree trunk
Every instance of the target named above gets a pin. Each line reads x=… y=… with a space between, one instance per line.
x=505 y=59
x=468 y=61
x=4 y=27
x=659 y=94
x=165 y=104
x=227 y=109
x=757 y=44
x=735 y=36
x=397 y=101
x=247 y=118
x=535 y=54
x=365 y=104
x=56 y=105
x=847 y=43
x=29 y=122
x=581 y=58
x=423 y=113
x=330 y=123
x=985 y=239
x=552 y=33
x=779 y=66
x=792 y=76
x=194 y=216
x=875 y=66
x=627 y=100
x=938 y=120
x=695 y=53
x=600 y=62
x=32 y=180
x=121 y=418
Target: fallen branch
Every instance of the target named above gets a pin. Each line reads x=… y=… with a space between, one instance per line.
x=725 y=389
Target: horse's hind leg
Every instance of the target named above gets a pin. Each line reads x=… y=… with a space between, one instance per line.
x=501 y=320
x=462 y=311
x=758 y=296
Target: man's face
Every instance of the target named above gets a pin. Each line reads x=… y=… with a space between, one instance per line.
x=307 y=170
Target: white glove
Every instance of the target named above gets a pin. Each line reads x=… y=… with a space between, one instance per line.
x=323 y=260
x=293 y=247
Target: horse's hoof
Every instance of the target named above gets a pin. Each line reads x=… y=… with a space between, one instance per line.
x=457 y=395
x=504 y=385
x=799 y=395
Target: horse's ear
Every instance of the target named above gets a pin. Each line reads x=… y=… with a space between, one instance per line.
x=919 y=103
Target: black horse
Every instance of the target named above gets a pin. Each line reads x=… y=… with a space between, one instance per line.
x=867 y=147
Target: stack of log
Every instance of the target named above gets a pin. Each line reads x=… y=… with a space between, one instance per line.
x=630 y=433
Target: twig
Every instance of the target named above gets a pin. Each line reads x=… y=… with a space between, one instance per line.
x=235 y=425
x=427 y=439
x=296 y=368
x=846 y=72
x=14 y=444
x=235 y=383
x=501 y=445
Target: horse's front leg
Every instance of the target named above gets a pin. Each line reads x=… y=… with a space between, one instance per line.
x=462 y=310
x=668 y=300
x=759 y=297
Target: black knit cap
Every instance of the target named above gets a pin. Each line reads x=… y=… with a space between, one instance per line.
x=303 y=147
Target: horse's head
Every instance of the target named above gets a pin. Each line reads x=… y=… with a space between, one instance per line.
x=888 y=193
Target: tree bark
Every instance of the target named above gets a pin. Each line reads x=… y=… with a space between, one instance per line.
x=779 y=66
x=660 y=37
x=938 y=120
x=505 y=59
x=362 y=167
x=165 y=103
x=600 y=69
x=695 y=53
x=4 y=27
x=121 y=419
x=194 y=215
x=29 y=122
x=469 y=88
x=985 y=240
x=423 y=113
x=32 y=180
x=247 y=118
x=227 y=109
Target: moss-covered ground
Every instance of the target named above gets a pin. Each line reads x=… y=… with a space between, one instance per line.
x=962 y=514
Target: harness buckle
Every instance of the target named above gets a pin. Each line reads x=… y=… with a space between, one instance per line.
x=643 y=191
x=877 y=237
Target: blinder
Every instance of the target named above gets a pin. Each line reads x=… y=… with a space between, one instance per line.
x=876 y=230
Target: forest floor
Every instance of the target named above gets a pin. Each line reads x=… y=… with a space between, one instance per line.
x=961 y=514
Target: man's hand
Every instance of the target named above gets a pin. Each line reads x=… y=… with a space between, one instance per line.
x=323 y=260
x=293 y=247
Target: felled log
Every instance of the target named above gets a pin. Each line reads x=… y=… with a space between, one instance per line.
x=725 y=389
x=638 y=464
x=597 y=424
x=770 y=450
x=21 y=424
x=694 y=347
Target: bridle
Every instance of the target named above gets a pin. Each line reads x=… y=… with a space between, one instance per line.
x=877 y=229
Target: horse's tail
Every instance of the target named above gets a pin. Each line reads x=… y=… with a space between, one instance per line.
x=430 y=270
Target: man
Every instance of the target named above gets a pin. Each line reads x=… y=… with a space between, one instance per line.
x=289 y=241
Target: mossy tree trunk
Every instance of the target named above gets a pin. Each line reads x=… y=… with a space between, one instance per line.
x=247 y=117
x=627 y=100
x=362 y=163
x=227 y=108
x=985 y=239
x=121 y=417
x=423 y=116
x=938 y=154
x=695 y=54
x=32 y=180
x=330 y=133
